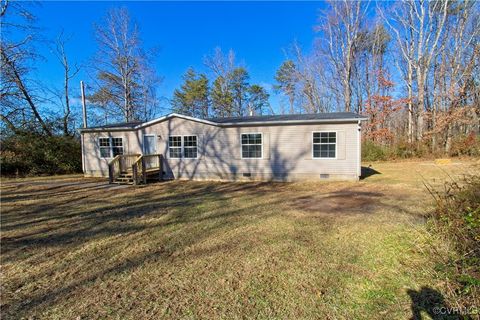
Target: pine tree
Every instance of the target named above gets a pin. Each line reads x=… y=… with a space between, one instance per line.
x=239 y=87
x=258 y=99
x=193 y=96
x=286 y=79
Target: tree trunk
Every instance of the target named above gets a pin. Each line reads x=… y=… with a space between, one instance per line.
x=9 y=124
x=410 y=104
x=291 y=100
x=66 y=115
x=434 y=125
x=420 y=104
x=448 y=140
x=367 y=84
x=26 y=95
x=125 y=102
x=346 y=83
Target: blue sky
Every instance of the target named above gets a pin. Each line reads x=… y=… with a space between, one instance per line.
x=184 y=32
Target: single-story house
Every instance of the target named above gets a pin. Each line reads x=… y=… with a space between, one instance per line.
x=269 y=147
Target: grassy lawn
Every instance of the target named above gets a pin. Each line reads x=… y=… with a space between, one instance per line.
x=74 y=248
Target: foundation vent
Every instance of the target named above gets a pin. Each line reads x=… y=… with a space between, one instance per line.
x=324 y=176
x=247 y=174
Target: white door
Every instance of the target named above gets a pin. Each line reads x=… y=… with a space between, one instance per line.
x=149 y=144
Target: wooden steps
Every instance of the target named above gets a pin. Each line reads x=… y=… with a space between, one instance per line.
x=124 y=178
x=135 y=169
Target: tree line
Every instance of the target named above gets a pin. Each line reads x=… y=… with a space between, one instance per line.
x=230 y=93
x=122 y=80
x=412 y=66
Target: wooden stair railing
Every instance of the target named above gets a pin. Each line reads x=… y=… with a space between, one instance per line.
x=154 y=162
x=114 y=169
x=120 y=164
x=136 y=165
x=127 y=160
x=145 y=164
x=139 y=166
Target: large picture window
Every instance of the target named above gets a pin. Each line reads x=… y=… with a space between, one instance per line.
x=324 y=144
x=110 y=147
x=251 y=145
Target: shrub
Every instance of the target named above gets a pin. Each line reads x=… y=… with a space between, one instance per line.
x=457 y=220
x=466 y=145
x=33 y=154
x=373 y=152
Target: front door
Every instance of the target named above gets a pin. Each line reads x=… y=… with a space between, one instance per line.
x=149 y=144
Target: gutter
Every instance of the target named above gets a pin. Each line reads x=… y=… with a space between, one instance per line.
x=106 y=129
x=266 y=123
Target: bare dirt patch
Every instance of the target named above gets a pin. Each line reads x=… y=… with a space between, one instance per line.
x=340 y=202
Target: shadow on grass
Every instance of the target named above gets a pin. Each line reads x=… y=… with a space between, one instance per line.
x=68 y=226
x=368 y=172
x=169 y=216
x=431 y=302
x=96 y=218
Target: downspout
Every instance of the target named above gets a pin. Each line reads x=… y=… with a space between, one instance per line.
x=359 y=150
x=83 y=153
x=84 y=112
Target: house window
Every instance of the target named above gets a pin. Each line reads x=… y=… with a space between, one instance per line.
x=183 y=146
x=110 y=147
x=175 y=146
x=251 y=145
x=117 y=146
x=190 y=146
x=104 y=147
x=324 y=144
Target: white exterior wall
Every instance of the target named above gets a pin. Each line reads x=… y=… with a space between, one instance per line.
x=287 y=151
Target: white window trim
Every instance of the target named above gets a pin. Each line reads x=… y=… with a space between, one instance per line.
x=182 y=146
x=336 y=145
x=241 y=145
x=154 y=139
x=110 y=147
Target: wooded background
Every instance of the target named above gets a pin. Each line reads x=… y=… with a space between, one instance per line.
x=411 y=66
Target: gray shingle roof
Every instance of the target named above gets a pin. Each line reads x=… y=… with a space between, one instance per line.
x=131 y=124
x=290 y=117
x=232 y=121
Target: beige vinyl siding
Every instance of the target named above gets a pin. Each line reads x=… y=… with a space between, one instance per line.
x=287 y=151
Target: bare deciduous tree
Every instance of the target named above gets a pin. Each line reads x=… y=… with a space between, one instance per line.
x=220 y=64
x=68 y=73
x=418 y=26
x=339 y=28
x=19 y=104
x=125 y=78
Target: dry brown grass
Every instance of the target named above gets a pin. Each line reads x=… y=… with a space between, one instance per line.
x=74 y=247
